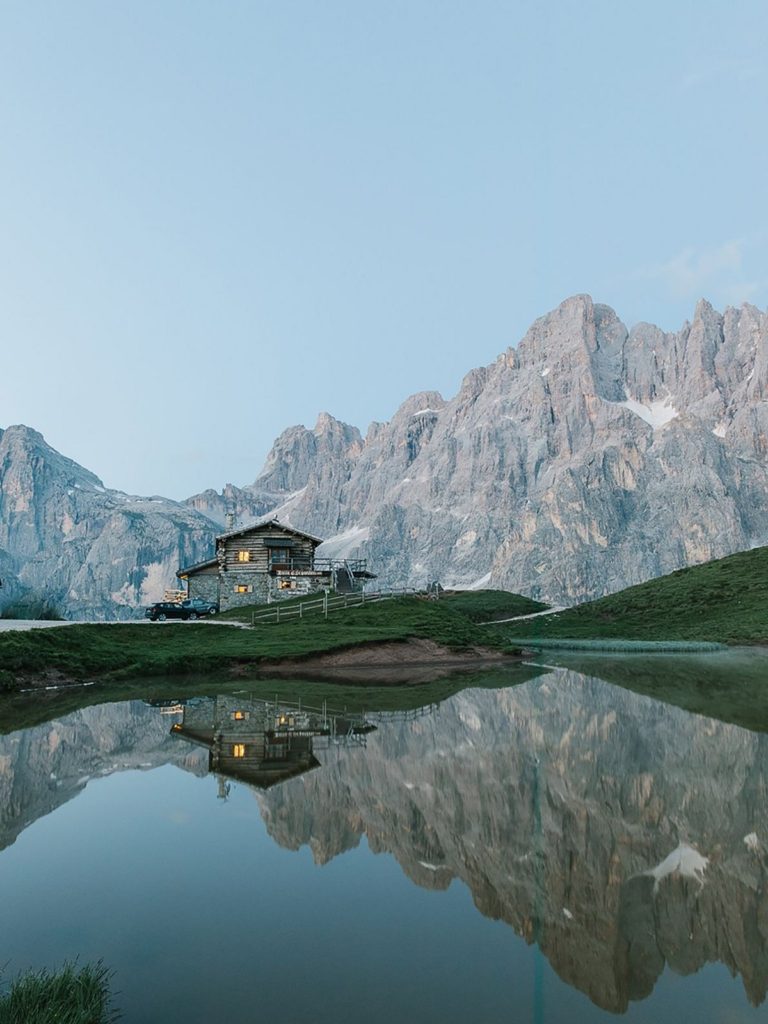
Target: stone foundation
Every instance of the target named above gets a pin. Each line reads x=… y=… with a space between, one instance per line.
x=236 y=588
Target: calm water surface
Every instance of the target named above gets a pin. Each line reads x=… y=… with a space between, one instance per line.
x=566 y=849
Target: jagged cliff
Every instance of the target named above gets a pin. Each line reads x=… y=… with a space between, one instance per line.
x=69 y=543
x=585 y=459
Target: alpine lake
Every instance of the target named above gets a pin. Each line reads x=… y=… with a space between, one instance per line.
x=566 y=840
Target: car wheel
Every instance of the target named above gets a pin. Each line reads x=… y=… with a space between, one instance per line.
x=161 y=617
x=211 y=611
x=192 y=615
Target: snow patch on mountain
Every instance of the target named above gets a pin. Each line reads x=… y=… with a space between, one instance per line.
x=656 y=414
x=344 y=544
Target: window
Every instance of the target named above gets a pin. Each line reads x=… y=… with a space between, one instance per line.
x=243 y=588
x=243 y=556
x=238 y=750
x=240 y=716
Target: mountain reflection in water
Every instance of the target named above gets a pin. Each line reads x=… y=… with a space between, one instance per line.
x=568 y=808
x=618 y=833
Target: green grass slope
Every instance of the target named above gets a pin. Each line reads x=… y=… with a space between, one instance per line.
x=487 y=605
x=475 y=605
x=724 y=601
x=147 y=649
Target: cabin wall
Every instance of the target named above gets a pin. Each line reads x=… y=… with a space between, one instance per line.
x=204 y=585
x=256 y=547
x=233 y=595
x=283 y=586
x=264 y=587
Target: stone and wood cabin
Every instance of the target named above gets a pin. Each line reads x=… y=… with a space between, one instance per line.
x=266 y=562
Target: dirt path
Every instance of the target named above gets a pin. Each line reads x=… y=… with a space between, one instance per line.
x=6 y=625
x=519 y=618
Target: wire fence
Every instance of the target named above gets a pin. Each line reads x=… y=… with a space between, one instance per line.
x=325 y=605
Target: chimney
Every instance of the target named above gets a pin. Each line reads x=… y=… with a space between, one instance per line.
x=229 y=521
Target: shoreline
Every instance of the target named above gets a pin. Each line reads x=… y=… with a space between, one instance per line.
x=389 y=662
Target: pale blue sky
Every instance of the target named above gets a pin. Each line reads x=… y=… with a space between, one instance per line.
x=218 y=219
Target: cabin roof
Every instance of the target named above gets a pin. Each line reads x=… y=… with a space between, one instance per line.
x=271 y=524
x=187 y=570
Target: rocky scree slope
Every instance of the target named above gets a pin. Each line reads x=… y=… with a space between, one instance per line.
x=586 y=459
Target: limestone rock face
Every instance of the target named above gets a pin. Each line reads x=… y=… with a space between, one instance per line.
x=217 y=505
x=586 y=459
x=305 y=468
x=69 y=543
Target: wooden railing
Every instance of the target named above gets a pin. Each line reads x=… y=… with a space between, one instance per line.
x=325 y=605
x=319 y=565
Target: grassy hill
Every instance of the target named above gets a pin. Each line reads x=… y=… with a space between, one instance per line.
x=475 y=605
x=487 y=605
x=146 y=649
x=725 y=600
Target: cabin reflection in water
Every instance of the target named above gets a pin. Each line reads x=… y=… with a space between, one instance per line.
x=262 y=742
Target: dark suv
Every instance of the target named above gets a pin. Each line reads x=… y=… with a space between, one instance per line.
x=194 y=608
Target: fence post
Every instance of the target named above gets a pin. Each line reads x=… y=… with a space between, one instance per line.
x=325 y=603
x=301 y=614
x=253 y=616
x=277 y=613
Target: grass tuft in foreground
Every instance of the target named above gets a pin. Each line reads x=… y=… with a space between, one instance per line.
x=72 y=995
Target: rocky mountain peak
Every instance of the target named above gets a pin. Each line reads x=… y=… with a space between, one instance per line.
x=24 y=448
x=553 y=469
x=422 y=403
x=332 y=430
x=69 y=543
x=581 y=341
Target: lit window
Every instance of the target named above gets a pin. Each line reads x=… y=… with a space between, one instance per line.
x=243 y=556
x=243 y=588
x=238 y=750
x=240 y=716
